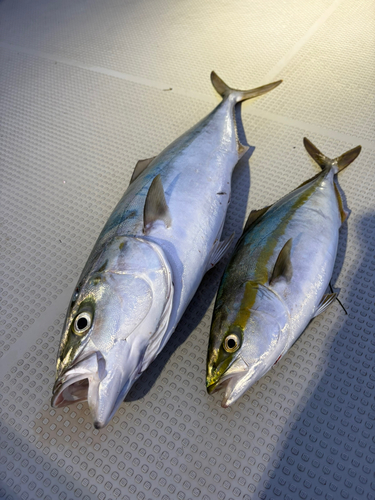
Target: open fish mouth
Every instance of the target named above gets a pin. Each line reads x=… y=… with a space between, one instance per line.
x=80 y=382
x=73 y=392
x=239 y=383
x=237 y=379
x=93 y=380
x=230 y=378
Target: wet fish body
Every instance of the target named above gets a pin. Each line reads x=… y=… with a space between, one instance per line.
x=148 y=261
x=275 y=282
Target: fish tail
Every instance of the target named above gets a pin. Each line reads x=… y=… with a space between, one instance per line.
x=324 y=162
x=240 y=95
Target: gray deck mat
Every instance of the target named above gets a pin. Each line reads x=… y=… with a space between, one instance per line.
x=87 y=88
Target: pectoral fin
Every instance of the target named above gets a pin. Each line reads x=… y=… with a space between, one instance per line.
x=156 y=207
x=218 y=251
x=140 y=167
x=283 y=267
x=326 y=301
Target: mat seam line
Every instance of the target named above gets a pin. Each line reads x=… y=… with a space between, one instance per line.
x=189 y=93
x=302 y=41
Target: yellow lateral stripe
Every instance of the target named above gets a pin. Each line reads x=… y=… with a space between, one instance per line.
x=261 y=272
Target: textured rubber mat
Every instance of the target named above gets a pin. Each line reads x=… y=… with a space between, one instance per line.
x=88 y=88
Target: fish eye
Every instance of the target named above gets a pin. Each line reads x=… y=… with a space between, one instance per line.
x=82 y=323
x=231 y=343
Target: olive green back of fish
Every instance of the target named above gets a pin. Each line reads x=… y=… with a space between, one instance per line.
x=249 y=266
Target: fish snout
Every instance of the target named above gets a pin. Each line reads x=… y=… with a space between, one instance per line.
x=212 y=387
x=213 y=378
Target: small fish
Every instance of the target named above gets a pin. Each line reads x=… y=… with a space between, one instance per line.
x=276 y=280
x=148 y=261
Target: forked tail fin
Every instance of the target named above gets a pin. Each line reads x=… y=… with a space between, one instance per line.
x=241 y=95
x=323 y=161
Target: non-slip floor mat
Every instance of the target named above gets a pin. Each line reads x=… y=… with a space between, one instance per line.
x=86 y=90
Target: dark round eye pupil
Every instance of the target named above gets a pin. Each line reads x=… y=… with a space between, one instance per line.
x=82 y=323
x=231 y=343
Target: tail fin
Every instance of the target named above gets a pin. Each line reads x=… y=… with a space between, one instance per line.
x=241 y=95
x=323 y=161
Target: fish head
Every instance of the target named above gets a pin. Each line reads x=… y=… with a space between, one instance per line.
x=114 y=326
x=248 y=335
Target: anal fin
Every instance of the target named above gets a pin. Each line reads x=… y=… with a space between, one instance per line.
x=156 y=207
x=140 y=167
x=326 y=301
x=218 y=251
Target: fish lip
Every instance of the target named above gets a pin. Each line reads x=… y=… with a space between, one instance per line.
x=82 y=356
x=236 y=370
x=86 y=382
x=241 y=382
x=62 y=386
x=99 y=423
x=229 y=396
x=70 y=377
x=214 y=387
x=99 y=420
x=218 y=384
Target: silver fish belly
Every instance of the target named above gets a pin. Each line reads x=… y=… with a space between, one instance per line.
x=148 y=261
x=276 y=280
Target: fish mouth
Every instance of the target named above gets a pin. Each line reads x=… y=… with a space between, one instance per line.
x=88 y=380
x=67 y=394
x=237 y=379
x=229 y=378
x=79 y=382
x=82 y=383
x=237 y=383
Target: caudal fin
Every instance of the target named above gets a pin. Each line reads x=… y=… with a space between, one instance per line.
x=323 y=161
x=241 y=95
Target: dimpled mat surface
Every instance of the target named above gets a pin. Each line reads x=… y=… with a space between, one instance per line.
x=87 y=88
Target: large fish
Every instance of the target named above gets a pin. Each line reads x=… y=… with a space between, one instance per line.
x=276 y=280
x=148 y=261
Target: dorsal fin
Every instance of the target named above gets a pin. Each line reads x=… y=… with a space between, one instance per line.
x=254 y=216
x=308 y=180
x=140 y=167
x=156 y=207
x=283 y=266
